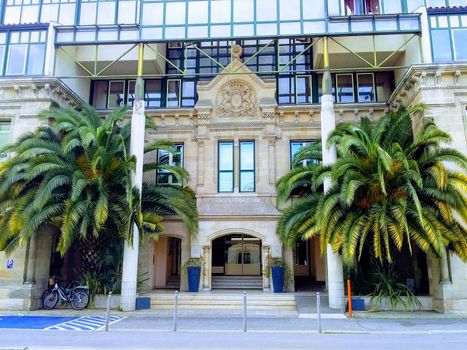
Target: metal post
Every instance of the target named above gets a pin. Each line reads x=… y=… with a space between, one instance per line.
x=244 y=312
x=107 y=315
x=318 y=311
x=175 y=311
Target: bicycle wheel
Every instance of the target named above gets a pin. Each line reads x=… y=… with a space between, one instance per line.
x=49 y=299
x=79 y=299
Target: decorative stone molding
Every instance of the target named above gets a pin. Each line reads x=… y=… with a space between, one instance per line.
x=236 y=98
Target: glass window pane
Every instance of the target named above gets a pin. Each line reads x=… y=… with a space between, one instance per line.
x=188 y=94
x=99 y=97
x=67 y=14
x=126 y=12
x=16 y=59
x=149 y=9
x=177 y=156
x=173 y=93
x=413 y=5
x=88 y=13
x=247 y=155
x=175 y=13
x=266 y=10
x=441 y=45
x=153 y=96
x=226 y=182
x=460 y=44
x=289 y=9
x=392 y=6
x=247 y=181
x=163 y=158
x=36 y=58
x=304 y=89
x=131 y=93
x=384 y=85
x=366 y=89
x=243 y=10
x=220 y=11
x=116 y=94
x=226 y=156
x=313 y=9
x=197 y=12
x=345 y=93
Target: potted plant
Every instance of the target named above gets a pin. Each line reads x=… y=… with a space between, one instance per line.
x=193 y=269
x=280 y=274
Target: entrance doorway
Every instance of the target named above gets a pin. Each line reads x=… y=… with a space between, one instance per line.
x=166 y=263
x=236 y=255
x=309 y=272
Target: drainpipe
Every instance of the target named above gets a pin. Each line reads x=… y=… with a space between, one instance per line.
x=335 y=273
x=130 y=254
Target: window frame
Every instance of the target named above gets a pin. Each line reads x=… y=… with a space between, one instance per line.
x=179 y=93
x=123 y=92
x=171 y=177
x=8 y=141
x=304 y=143
x=240 y=170
x=373 y=85
x=337 y=87
x=219 y=171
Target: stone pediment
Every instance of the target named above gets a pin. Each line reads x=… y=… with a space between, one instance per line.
x=237 y=206
x=236 y=94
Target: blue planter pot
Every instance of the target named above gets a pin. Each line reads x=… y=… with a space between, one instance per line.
x=194 y=273
x=278 y=279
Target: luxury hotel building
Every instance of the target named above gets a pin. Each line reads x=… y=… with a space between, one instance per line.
x=237 y=86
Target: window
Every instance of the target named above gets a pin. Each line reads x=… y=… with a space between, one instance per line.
x=173 y=93
x=60 y=11
x=97 y=12
x=165 y=158
x=384 y=85
x=116 y=96
x=153 y=93
x=226 y=166
x=303 y=89
x=26 y=52
x=460 y=47
x=297 y=146
x=361 y=7
x=21 y=11
x=345 y=89
x=247 y=166
x=5 y=128
x=366 y=87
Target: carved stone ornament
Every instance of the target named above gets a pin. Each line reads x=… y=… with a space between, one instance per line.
x=236 y=98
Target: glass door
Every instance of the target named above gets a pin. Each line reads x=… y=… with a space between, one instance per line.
x=242 y=256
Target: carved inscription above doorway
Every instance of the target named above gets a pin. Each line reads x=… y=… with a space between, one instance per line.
x=236 y=98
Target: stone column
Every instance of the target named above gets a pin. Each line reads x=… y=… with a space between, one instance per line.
x=335 y=273
x=130 y=253
x=266 y=250
x=236 y=166
x=30 y=273
x=444 y=268
x=206 y=268
x=186 y=253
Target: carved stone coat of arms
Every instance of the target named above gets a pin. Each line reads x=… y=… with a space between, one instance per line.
x=236 y=98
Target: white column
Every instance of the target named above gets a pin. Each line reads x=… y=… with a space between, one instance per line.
x=335 y=274
x=130 y=254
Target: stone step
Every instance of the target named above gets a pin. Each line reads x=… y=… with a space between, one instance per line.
x=237 y=282
x=257 y=301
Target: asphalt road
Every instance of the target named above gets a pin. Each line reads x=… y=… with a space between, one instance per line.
x=134 y=339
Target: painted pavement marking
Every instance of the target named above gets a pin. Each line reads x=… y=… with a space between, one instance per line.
x=86 y=323
x=32 y=322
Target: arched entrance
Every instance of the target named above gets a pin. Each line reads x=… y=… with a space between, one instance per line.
x=236 y=262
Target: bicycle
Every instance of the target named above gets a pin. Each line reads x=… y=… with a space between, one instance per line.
x=75 y=294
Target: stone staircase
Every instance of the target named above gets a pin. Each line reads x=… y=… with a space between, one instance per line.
x=237 y=282
x=173 y=282
x=224 y=302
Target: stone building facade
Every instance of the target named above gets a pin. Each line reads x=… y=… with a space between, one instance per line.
x=238 y=97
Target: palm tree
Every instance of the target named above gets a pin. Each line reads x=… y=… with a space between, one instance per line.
x=390 y=188
x=76 y=175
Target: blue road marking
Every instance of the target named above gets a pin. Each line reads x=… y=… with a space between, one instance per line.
x=86 y=323
x=32 y=322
